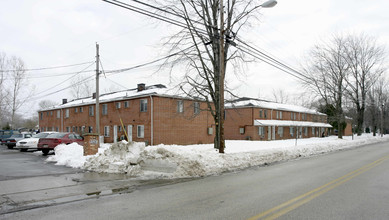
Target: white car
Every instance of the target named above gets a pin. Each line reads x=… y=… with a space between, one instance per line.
x=31 y=143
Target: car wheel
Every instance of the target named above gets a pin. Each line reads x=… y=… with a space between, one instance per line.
x=45 y=151
x=23 y=150
x=10 y=147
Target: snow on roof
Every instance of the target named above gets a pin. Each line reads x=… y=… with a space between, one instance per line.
x=155 y=90
x=248 y=102
x=286 y=123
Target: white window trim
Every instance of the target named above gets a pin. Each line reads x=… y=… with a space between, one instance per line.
x=140 y=133
x=104 y=110
x=143 y=105
x=180 y=106
x=106 y=131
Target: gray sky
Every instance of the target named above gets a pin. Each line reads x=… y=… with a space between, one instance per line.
x=47 y=33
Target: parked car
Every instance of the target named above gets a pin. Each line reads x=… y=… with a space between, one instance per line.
x=51 y=141
x=4 y=134
x=32 y=143
x=11 y=141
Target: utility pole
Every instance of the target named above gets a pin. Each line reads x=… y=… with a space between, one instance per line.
x=97 y=94
x=221 y=82
x=382 y=120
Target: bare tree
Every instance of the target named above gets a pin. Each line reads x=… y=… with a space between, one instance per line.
x=280 y=96
x=2 y=89
x=45 y=104
x=17 y=94
x=326 y=72
x=80 y=87
x=204 y=46
x=377 y=97
x=365 y=58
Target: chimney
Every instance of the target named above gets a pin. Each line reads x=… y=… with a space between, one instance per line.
x=141 y=87
x=94 y=95
x=64 y=101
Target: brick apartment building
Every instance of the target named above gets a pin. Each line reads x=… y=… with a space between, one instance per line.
x=254 y=119
x=151 y=114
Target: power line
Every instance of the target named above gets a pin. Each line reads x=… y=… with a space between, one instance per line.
x=147 y=63
x=47 y=68
x=157 y=16
x=272 y=64
x=67 y=79
x=274 y=60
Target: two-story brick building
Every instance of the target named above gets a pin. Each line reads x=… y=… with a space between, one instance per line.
x=151 y=114
x=254 y=119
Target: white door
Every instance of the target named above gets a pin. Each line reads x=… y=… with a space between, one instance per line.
x=129 y=133
x=115 y=133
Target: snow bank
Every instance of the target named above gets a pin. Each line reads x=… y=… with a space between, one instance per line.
x=122 y=157
x=174 y=161
x=71 y=155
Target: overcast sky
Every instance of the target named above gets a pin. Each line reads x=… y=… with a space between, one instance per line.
x=47 y=33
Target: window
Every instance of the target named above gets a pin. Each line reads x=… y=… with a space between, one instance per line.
x=306 y=131
x=41 y=115
x=53 y=129
x=57 y=129
x=66 y=113
x=260 y=113
x=180 y=106
x=279 y=114
x=76 y=110
x=141 y=131
x=118 y=105
x=83 y=129
x=196 y=107
x=47 y=113
x=281 y=131
x=91 y=110
x=313 y=130
x=51 y=113
x=143 y=105
x=126 y=104
x=81 y=109
x=293 y=116
x=90 y=129
x=67 y=129
x=73 y=129
x=261 y=131
x=119 y=128
x=241 y=130
x=105 y=109
x=265 y=113
x=58 y=113
x=106 y=131
x=210 y=131
x=291 y=131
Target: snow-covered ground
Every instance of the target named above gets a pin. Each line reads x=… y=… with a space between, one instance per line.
x=174 y=161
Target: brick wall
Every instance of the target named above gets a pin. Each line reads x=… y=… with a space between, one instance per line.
x=169 y=126
x=243 y=118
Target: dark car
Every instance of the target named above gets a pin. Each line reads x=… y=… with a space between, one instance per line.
x=4 y=134
x=51 y=141
x=11 y=141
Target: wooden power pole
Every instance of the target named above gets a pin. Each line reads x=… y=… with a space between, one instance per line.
x=97 y=94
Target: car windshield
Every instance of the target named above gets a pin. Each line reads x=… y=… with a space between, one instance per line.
x=56 y=135
x=16 y=136
x=40 y=135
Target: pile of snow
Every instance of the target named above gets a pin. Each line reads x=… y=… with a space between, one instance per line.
x=175 y=161
x=122 y=157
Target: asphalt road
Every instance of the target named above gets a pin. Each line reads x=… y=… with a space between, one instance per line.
x=352 y=184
